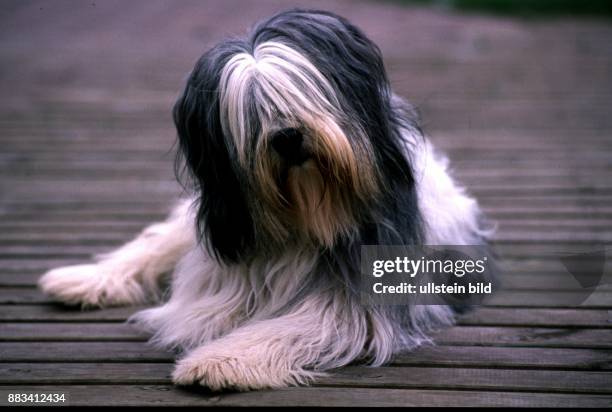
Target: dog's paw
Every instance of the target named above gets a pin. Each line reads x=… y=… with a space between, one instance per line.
x=237 y=373
x=91 y=286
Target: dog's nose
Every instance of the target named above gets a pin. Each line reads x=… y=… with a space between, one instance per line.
x=289 y=144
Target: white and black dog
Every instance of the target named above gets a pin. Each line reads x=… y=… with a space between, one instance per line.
x=300 y=153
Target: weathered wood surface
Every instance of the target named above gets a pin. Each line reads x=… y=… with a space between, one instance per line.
x=522 y=109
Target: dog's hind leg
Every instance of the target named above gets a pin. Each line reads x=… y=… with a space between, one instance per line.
x=131 y=274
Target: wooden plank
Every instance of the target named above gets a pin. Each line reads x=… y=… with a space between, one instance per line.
x=47 y=206
x=543 y=251
x=472 y=176
x=45 y=232
x=54 y=251
x=563 y=299
x=11 y=295
x=553 y=212
x=535 y=358
x=75 y=243
x=439 y=356
x=31 y=137
x=538 y=317
x=163 y=172
x=564 y=209
x=60 y=313
x=53 y=205
x=105 y=226
x=545 y=281
x=165 y=395
x=70 y=332
x=113 y=232
x=85 y=373
x=525 y=252
x=354 y=376
x=84 y=242
x=41 y=265
x=527 y=337
x=84 y=217
x=514 y=280
x=28 y=139
x=134 y=187
x=67 y=152
x=81 y=351
x=459 y=335
x=130 y=188
x=591 y=318
x=588 y=237
x=472 y=379
x=511 y=253
x=548 y=268
x=540 y=266
x=19 y=279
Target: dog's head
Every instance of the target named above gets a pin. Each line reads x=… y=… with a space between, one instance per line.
x=291 y=136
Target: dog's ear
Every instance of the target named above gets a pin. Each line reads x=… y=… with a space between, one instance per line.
x=223 y=219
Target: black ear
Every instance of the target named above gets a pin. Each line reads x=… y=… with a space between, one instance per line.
x=223 y=219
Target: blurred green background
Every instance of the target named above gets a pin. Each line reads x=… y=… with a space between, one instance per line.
x=525 y=8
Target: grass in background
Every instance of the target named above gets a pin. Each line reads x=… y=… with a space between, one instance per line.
x=526 y=8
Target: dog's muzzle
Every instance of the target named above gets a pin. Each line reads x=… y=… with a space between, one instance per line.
x=290 y=146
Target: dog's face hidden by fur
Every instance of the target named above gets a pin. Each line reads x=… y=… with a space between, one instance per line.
x=293 y=137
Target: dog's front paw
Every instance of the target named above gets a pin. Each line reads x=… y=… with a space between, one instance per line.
x=90 y=285
x=235 y=372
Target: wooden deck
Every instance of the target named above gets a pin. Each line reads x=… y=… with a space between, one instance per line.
x=523 y=109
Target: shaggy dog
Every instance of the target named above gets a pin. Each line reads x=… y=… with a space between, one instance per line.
x=300 y=153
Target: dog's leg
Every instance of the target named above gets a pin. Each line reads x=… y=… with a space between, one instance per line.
x=319 y=334
x=207 y=301
x=132 y=273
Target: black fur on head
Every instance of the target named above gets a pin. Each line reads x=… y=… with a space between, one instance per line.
x=293 y=137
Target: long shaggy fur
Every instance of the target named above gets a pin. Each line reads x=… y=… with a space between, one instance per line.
x=300 y=153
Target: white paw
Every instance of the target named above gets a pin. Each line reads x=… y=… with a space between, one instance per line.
x=91 y=285
x=238 y=373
